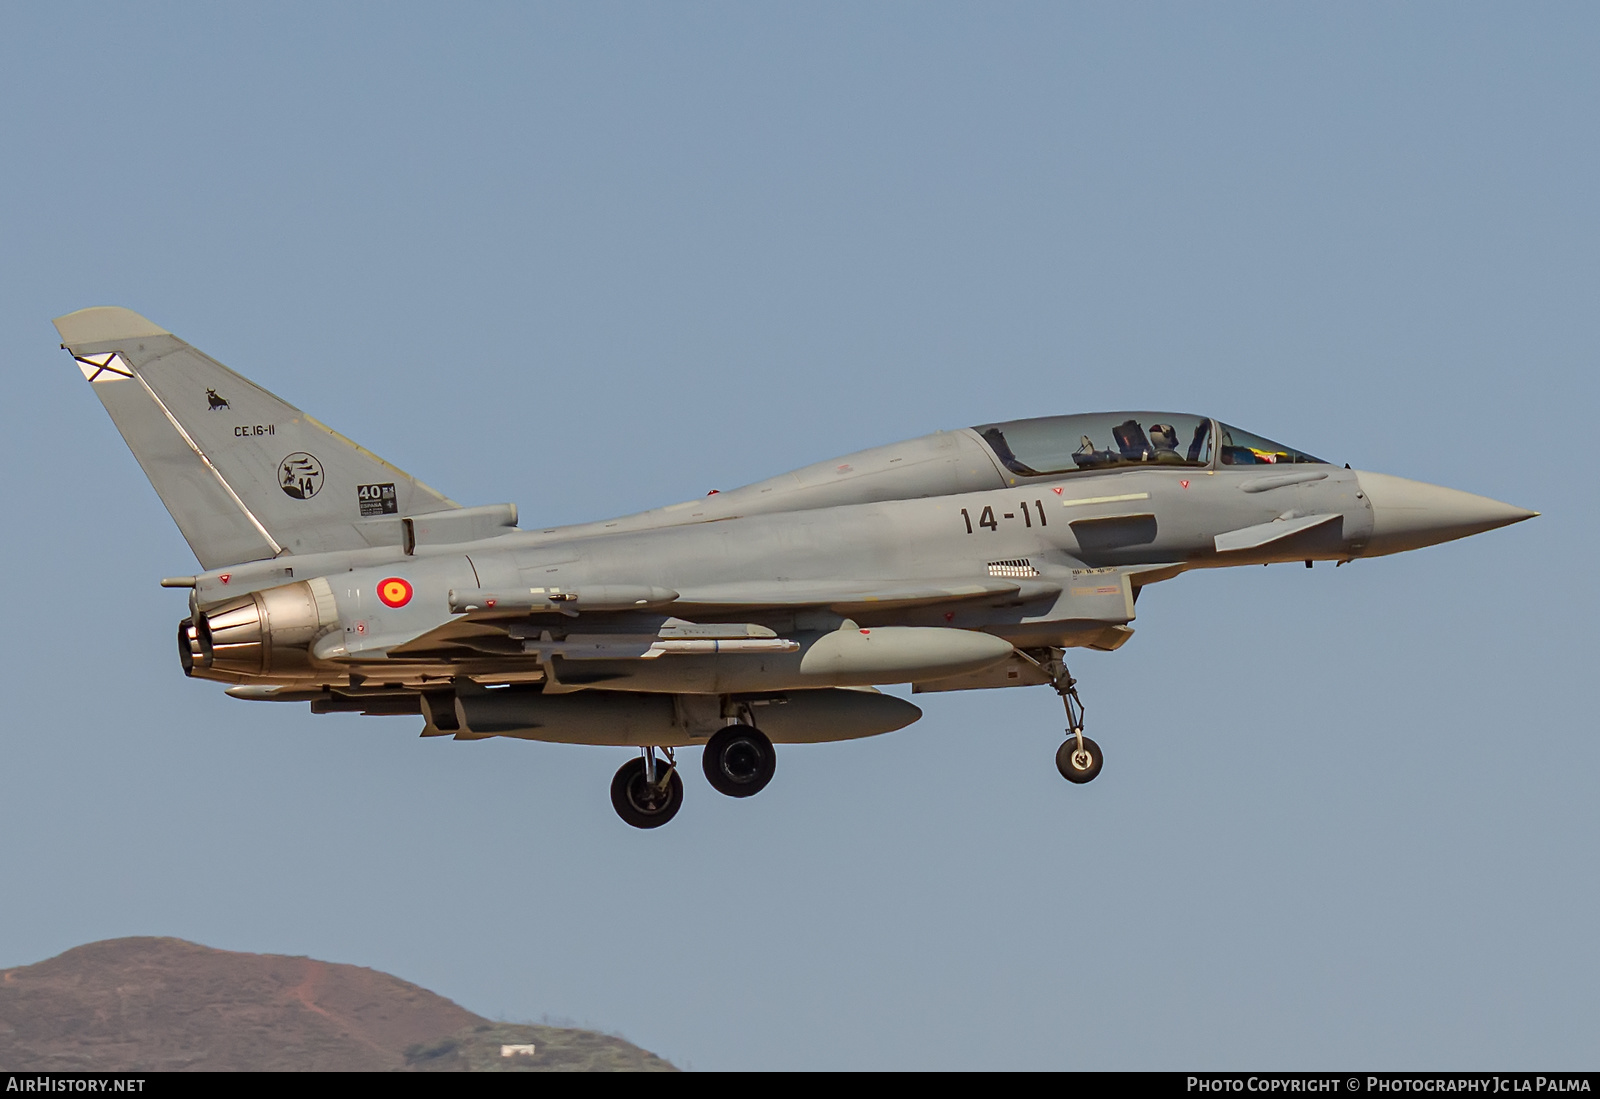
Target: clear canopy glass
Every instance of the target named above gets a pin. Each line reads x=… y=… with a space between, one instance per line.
x=1103 y=440
x=1240 y=448
x=1051 y=445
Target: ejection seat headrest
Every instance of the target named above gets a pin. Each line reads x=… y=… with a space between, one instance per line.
x=1131 y=440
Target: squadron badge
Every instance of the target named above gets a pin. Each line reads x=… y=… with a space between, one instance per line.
x=300 y=475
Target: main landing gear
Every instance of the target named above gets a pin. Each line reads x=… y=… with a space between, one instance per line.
x=739 y=761
x=647 y=792
x=1078 y=759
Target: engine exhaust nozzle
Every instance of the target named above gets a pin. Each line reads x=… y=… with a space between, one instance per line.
x=264 y=633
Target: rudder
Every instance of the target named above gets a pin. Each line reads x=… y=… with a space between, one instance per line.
x=245 y=475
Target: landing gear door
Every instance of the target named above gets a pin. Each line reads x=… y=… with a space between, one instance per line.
x=1097 y=595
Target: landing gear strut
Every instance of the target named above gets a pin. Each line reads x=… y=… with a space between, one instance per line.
x=647 y=792
x=1078 y=759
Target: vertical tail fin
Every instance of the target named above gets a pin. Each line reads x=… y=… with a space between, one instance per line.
x=245 y=475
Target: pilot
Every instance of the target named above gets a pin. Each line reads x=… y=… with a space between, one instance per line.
x=1165 y=440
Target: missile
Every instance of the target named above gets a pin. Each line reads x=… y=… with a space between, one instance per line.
x=603 y=597
x=846 y=657
x=576 y=646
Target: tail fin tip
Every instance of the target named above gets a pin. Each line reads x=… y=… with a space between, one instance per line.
x=102 y=324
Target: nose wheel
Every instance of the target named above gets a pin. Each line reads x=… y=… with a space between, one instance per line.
x=647 y=792
x=1078 y=759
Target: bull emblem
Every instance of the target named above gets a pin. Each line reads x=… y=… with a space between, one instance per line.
x=215 y=401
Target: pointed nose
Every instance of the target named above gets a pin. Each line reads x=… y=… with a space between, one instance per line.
x=1408 y=515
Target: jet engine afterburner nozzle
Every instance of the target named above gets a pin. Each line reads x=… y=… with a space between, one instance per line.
x=190 y=652
x=263 y=633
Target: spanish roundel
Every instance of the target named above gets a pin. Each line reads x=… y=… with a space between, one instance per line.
x=394 y=592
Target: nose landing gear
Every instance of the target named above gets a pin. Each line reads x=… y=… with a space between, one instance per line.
x=1078 y=759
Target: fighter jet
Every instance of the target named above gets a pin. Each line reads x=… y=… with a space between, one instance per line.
x=968 y=559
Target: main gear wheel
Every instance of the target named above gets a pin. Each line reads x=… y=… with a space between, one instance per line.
x=739 y=761
x=644 y=803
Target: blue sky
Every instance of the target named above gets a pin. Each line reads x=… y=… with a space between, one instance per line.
x=593 y=258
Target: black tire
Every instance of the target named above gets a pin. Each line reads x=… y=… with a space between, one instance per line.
x=739 y=761
x=1074 y=769
x=640 y=806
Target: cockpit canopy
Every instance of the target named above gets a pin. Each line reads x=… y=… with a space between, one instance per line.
x=1052 y=445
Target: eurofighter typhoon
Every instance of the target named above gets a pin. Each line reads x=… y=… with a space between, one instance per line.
x=971 y=559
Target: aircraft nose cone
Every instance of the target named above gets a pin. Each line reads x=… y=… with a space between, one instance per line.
x=1408 y=515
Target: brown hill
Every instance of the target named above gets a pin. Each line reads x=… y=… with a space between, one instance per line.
x=165 y=1004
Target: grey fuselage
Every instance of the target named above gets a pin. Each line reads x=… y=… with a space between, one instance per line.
x=802 y=553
